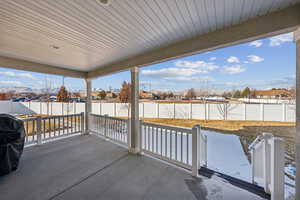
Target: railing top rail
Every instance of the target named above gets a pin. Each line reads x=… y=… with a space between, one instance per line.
x=60 y=116
x=28 y=119
x=168 y=127
x=48 y=117
x=108 y=117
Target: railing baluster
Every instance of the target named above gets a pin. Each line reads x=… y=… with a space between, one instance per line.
x=171 y=145
x=187 y=151
x=176 y=149
x=181 y=146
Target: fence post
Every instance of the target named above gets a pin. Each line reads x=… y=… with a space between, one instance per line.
x=191 y=111
x=115 y=109
x=283 y=112
x=266 y=160
x=195 y=149
x=143 y=110
x=82 y=123
x=207 y=112
x=277 y=168
x=174 y=111
x=245 y=111
x=262 y=112
x=39 y=130
x=157 y=110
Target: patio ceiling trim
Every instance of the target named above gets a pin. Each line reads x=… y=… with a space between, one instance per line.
x=286 y=20
x=20 y=64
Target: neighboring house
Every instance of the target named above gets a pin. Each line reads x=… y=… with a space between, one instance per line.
x=271 y=94
x=145 y=95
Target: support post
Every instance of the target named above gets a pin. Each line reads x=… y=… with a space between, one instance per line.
x=277 y=168
x=39 y=130
x=88 y=104
x=134 y=146
x=195 y=150
x=297 y=40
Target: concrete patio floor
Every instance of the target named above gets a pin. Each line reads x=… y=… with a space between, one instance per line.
x=87 y=167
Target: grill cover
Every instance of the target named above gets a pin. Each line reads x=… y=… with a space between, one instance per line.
x=12 y=136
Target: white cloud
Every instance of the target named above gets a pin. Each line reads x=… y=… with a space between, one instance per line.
x=212 y=58
x=16 y=75
x=189 y=79
x=235 y=69
x=233 y=59
x=10 y=82
x=256 y=43
x=183 y=71
x=246 y=62
x=254 y=58
x=200 y=65
x=280 y=39
x=172 y=72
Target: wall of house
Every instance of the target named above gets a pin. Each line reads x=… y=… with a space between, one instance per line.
x=258 y=112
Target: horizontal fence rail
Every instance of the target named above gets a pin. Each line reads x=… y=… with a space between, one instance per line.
x=42 y=129
x=112 y=128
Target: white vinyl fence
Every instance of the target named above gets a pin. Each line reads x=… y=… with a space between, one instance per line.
x=258 y=112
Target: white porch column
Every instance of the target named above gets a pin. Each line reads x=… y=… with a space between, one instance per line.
x=134 y=135
x=88 y=104
x=297 y=40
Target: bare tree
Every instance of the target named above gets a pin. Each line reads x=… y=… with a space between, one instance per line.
x=225 y=108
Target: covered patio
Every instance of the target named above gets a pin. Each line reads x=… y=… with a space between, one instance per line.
x=90 y=39
x=87 y=167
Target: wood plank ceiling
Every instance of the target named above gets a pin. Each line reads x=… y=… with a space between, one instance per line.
x=84 y=34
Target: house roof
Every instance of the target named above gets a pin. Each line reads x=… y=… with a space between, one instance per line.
x=87 y=39
x=278 y=92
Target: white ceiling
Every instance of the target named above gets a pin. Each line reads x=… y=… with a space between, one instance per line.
x=90 y=35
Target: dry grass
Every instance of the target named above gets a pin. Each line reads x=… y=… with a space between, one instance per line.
x=229 y=125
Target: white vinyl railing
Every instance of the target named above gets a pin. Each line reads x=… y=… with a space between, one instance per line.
x=112 y=128
x=42 y=129
x=169 y=143
x=267 y=160
x=173 y=144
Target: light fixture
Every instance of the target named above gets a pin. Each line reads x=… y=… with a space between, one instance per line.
x=104 y=2
x=54 y=46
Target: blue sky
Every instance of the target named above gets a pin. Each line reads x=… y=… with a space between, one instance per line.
x=259 y=64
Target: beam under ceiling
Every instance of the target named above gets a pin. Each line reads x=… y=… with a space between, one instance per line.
x=286 y=20
x=19 y=64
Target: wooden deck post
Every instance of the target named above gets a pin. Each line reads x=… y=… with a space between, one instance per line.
x=134 y=134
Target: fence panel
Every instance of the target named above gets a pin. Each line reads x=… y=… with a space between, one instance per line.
x=273 y=112
x=236 y=112
x=149 y=110
x=253 y=112
x=291 y=113
x=166 y=110
x=182 y=111
x=123 y=109
x=198 y=111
